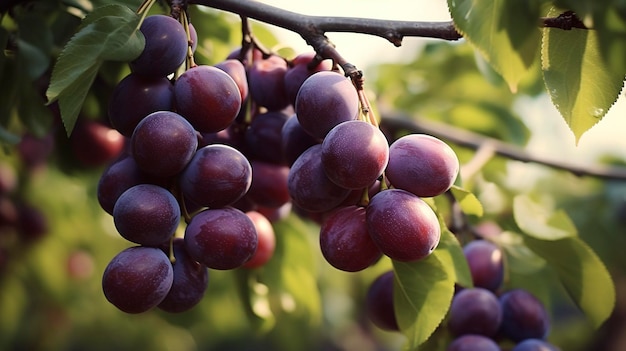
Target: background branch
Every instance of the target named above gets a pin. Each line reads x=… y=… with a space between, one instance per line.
x=476 y=141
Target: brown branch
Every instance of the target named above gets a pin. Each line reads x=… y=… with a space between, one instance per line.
x=475 y=141
x=310 y=27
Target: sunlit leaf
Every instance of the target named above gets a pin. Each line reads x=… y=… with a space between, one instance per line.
x=582 y=273
x=540 y=222
x=422 y=295
x=508 y=46
x=469 y=202
x=451 y=254
x=581 y=85
x=108 y=33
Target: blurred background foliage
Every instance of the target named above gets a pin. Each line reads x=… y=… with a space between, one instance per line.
x=50 y=281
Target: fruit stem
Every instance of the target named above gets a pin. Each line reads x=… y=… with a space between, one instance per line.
x=365 y=198
x=171 y=250
x=143 y=10
x=184 y=20
x=145 y=7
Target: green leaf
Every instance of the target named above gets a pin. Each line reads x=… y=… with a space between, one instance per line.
x=255 y=298
x=423 y=292
x=290 y=273
x=581 y=85
x=469 y=202
x=108 y=33
x=509 y=46
x=582 y=274
x=451 y=254
x=540 y=222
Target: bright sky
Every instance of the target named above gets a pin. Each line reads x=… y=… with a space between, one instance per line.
x=551 y=135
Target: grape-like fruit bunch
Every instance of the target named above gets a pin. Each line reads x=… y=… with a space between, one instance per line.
x=218 y=152
x=170 y=173
x=352 y=165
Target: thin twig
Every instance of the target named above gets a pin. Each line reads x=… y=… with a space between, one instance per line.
x=474 y=141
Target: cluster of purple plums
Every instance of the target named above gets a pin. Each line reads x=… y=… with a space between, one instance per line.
x=215 y=152
x=481 y=316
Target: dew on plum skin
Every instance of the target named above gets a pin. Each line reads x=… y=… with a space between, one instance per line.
x=137 y=279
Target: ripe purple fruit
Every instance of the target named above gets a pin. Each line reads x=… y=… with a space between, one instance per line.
x=402 y=225
x=324 y=100
x=163 y=143
x=190 y=281
x=308 y=185
x=166 y=47
x=137 y=279
x=345 y=241
x=354 y=154
x=135 y=97
x=475 y=311
x=523 y=316
x=422 y=165
x=207 y=97
x=218 y=175
x=485 y=263
x=379 y=302
x=146 y=214
x=223 y=238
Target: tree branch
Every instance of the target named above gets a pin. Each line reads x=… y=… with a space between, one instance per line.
x=313 y=27
x=476 y=141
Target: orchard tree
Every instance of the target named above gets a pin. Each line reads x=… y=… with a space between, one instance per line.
x=171 y=167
